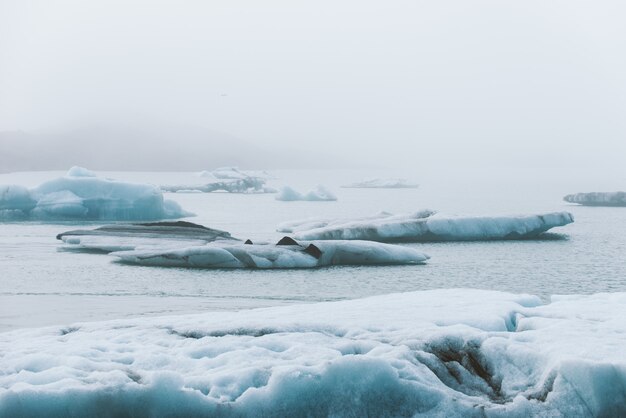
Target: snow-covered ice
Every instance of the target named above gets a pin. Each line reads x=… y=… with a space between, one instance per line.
x=183 y=244
x=225 y=179
x=81 y=195
x=450 y=353
x=126 y=237
x=320 y=193
x=426 y=226
x=266 y=256
x=382 y=184
x=598 y=198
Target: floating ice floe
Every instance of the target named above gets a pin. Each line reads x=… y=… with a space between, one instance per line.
x=226 y=179
x=81 y=195
x=183 y=244
x=232 y=173
x=382 y=184
x=452 y=353
x=319 y=194
x=427 y=226
x=124 y=237
x=598 y=198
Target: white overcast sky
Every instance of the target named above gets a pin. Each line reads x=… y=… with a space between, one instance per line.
x=467 y=83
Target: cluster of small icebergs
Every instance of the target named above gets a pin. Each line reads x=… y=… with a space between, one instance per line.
x=317 y=243
x=234 y=180
x=81 y=195
x=184 y=244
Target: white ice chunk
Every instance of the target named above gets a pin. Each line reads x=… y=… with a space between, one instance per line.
x=320 y=193
x=377 y=183
x=80 y=195
x=265 y=256
x=80 y=172
x=225 y=179
x=452 y=353
x=598 y=198
x=427 y=226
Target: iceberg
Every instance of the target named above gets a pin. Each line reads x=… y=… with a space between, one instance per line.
x=598 y=198
x=453 y=353
x=427 y=226
x=225 y=179
x=184 y=244
x=266 y=256
x=232 y=173
x=319 y=194
x=81 y=195
x=382 y=184
x=125 y=237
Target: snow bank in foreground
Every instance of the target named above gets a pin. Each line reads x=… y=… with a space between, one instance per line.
x=436 y=353
x=427 y=226
x=320 y=193
x=382 y=184
x=81 y=195
x=225 y=179
x=598 y=198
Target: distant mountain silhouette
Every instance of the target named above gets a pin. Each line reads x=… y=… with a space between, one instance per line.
x=142 y=149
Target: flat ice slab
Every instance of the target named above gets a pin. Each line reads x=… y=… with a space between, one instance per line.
x=427 y=226
x=452 y=353
x=382 y=184
x=81 y=195
x=183 y=244
x=124 y=237
x=267 y=256
x=598 y=198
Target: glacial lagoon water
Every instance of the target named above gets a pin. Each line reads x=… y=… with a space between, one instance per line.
x=42 y=285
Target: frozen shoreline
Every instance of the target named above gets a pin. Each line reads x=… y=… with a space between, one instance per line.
x=455 y=352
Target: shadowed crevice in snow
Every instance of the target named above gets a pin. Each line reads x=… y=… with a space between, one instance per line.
x=134 y=376
x=68 y=330
x=251 y=332
x=547 y=386
x=462 y=366
x=238 y=332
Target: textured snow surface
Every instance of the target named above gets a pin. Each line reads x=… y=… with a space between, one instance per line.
x=439 y=353
x=598 y=198
x=320 y=193
x=81 y=195
x=382 y=184
x=427 y=226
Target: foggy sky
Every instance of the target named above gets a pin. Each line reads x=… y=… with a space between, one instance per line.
x=392 y=83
